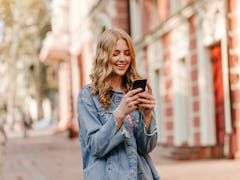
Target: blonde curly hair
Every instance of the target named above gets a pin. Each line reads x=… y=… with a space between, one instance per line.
x=102 y=71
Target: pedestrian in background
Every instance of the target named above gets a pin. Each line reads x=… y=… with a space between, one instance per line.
x=27 y=122
x=3 y=111
x=117 y=123
x=2 y=131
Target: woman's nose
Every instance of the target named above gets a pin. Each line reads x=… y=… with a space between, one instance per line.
x=121 y=56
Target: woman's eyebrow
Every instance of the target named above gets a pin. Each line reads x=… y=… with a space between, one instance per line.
x=120 y=50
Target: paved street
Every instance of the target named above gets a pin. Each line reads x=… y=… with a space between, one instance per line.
x=50 y=157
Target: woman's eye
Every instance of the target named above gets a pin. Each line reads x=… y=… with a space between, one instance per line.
x=115 y=53
x=127 y=53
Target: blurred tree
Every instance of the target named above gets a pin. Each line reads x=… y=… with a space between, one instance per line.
x=25 y=24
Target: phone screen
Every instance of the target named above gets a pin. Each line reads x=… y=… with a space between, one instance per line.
x=140 y=83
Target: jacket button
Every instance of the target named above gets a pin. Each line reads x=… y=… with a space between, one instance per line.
x=137 y=120
x=132 y=174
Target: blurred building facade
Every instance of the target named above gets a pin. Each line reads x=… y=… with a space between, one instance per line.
x=188 y=50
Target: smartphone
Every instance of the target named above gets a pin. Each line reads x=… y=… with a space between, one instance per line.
x=140 y=83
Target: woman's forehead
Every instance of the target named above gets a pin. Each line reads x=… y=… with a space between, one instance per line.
x=121 y=43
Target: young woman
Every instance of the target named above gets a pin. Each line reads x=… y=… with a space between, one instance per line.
x=117 y=124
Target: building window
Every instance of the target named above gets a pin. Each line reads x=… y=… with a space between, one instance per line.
x=136 y=24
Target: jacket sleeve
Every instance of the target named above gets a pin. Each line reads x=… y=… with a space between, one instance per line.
x=146 y=142
x=98 y=138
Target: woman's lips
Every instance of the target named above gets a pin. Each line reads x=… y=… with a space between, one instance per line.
x=121 y=67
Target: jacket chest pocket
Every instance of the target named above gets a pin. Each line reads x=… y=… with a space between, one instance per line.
x=102 y=116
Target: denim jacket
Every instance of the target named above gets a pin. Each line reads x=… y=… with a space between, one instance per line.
x=111 y=155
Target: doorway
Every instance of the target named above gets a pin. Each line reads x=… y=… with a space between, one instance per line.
x=216 y=59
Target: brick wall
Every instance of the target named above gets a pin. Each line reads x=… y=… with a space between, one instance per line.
x=168 y=86
x=146 y=16
x=194 y=78
x=65 y=95
x=163 y=9
x=233 y=36
x=122 y=18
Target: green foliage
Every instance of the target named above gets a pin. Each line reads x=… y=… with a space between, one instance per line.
x=25 y=24
x=6 y=12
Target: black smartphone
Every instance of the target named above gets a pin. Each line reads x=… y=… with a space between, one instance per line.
x=140 y=83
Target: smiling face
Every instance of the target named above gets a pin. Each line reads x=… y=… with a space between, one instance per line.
x=121 y=58
x=114 y=65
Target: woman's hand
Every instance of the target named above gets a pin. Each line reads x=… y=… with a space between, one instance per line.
x=127 y=105
x=146 y=104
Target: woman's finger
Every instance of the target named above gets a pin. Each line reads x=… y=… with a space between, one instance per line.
x=149 y=88
x=134 y=92
x=145 y=96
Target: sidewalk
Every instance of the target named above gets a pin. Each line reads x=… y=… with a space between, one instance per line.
x=54 y=156
x=220 y=169
x=42 y=155
x=47 y=131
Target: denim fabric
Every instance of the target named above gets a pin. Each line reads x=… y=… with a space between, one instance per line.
x=108 y=155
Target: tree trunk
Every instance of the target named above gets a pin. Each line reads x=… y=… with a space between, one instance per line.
x=38 y=82
x=12 y=73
